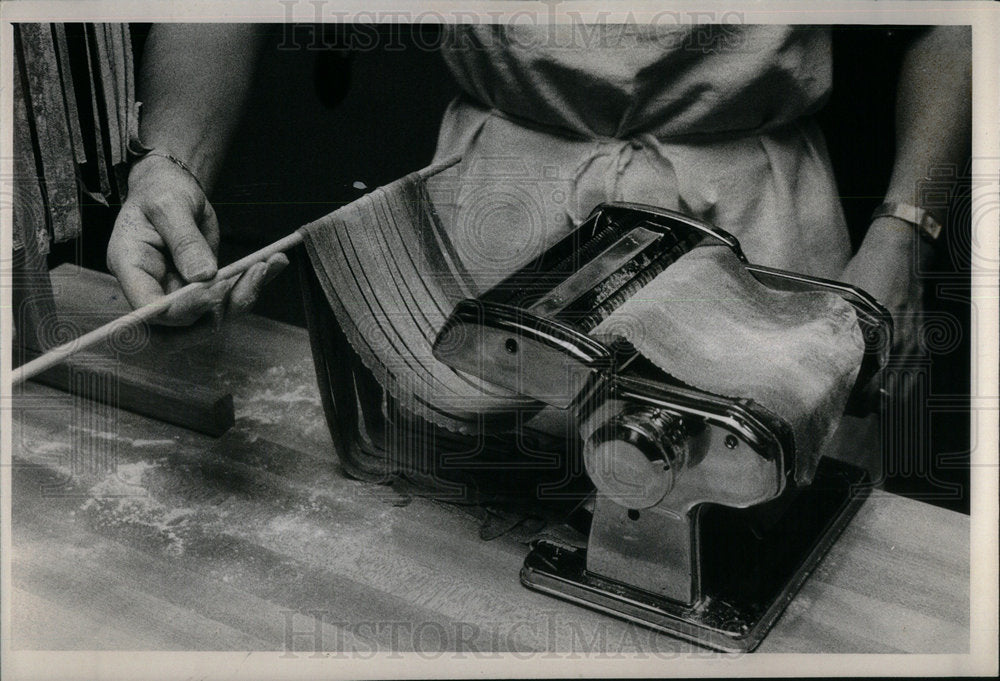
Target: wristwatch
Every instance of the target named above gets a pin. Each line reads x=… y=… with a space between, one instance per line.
x=927 y=226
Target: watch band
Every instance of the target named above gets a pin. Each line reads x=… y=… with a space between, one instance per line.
x=926 y=225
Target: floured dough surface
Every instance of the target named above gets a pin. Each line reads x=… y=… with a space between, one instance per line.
x=709 y=323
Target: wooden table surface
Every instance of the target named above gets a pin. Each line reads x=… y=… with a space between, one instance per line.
x=129 y=533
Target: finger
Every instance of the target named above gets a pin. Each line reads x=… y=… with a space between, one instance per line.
x=210 y=227
x=196 y=304
x=187 y=313
x=222 y=292
x=191 y=253
x=139 y=286
x=172 y=281
x=247 y=289
x=275 y=265
x=136 y=263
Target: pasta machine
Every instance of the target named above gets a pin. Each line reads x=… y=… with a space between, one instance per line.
x=698 y=526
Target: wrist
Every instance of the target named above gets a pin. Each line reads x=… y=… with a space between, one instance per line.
x=188 y=155
x=891 y=232
x=154 y=172
x=898 y=240
x=923 y=221
x=178 y=162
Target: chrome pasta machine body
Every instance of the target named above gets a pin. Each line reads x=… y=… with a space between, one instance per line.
x=698 y=528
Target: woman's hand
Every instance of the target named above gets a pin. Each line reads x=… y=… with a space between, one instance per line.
x=889 y=266
x=167 y=235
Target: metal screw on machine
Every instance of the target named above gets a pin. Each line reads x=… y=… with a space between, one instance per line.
x=637 y=456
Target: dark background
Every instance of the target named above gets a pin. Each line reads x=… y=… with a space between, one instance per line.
x=321 y=118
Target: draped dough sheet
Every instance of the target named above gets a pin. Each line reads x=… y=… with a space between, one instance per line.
x=392 y=277
x=709 y=323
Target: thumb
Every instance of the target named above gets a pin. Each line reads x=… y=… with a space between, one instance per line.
x=189 y=249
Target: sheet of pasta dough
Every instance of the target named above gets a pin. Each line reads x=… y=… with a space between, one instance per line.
x=709 y=323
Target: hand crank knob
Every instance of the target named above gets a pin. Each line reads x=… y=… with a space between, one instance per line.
x=636 y=456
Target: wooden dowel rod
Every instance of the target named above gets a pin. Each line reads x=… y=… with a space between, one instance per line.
x=148 y=312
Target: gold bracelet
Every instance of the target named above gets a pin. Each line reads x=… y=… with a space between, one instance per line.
x=927 y=226
x=177 y=162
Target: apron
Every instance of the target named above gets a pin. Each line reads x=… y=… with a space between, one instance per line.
x=712 y=121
